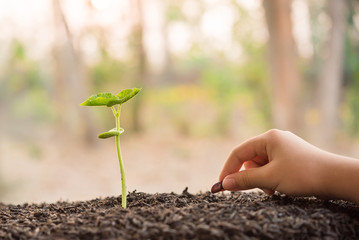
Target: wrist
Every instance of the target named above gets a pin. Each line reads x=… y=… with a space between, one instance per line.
x=340 y=178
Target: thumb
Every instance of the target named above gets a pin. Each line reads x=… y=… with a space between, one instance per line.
x=247 y=179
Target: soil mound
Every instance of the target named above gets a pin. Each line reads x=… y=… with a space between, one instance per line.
x=183 y=216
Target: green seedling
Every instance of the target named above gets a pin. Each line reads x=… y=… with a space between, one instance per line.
x=110 y=100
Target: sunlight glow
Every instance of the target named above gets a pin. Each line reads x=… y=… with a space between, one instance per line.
x=101 y=4
x=217 y=24
x=301 y=28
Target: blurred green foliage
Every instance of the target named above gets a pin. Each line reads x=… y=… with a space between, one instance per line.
x=107 y=71
x=351 y=75
x=208 y=93
x=25 y=88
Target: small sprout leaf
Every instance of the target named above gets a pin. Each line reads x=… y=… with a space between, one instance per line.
x=121 y=130
x=127 y=94
x=108 y=134
x=111 y=133
x=101 y=99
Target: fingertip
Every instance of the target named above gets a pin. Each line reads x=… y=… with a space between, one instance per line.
x=229 y=183
x=269 y=192
x=246 y=151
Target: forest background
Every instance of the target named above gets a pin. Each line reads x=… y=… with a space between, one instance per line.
x=213 y=73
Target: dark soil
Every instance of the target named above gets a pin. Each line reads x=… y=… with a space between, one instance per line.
x=185 y=216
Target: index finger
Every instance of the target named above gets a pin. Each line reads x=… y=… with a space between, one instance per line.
x=248 y=150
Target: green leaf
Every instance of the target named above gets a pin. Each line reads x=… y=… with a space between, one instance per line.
x=127 y=94
x=100 y=99
x=111 y=133
x=108 y=99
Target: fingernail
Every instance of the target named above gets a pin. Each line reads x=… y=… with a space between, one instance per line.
x=229 y=183
x=217 y=187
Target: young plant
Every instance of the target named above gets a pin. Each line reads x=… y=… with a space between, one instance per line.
x=110 y=100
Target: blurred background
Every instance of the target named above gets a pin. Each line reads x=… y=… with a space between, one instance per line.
x=213 y=73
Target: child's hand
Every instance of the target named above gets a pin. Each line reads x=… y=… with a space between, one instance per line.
x=281 y=161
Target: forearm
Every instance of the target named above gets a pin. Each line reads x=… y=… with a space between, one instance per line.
x=341 y=178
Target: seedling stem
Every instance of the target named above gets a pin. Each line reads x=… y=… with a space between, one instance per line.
x=117 y=115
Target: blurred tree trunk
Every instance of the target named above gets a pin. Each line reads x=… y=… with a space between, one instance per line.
x=70 y=84
x=140 y=60
x=168 y=73
x=331 y=75
x=283 y=65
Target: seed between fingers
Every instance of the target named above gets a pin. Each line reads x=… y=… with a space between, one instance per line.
x=217 y=187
